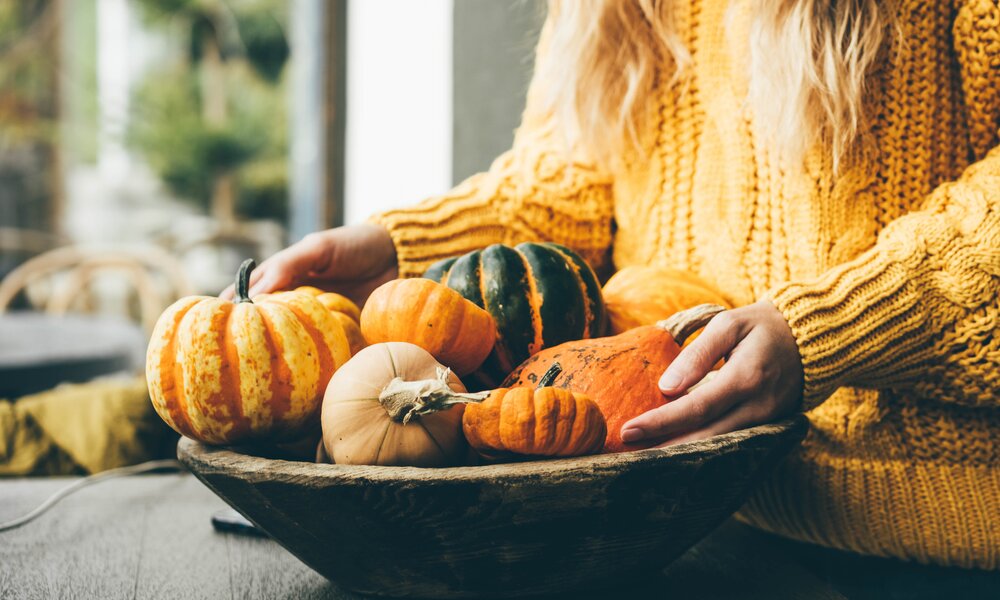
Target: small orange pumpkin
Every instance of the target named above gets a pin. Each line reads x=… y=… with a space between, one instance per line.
x=435 y=317
x=544 y=421
x=644 y=295
x=344 y=310
x=620 y=373
x=228 y=372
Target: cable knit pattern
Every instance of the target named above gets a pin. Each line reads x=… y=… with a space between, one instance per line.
x=918 y=310
x=888 y=271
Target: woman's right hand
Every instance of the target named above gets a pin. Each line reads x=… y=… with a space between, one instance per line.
x=351 y=261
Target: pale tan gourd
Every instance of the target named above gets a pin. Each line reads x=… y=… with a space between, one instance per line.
x=393 y=404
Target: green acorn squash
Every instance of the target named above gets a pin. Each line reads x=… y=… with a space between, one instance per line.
x=539 y=294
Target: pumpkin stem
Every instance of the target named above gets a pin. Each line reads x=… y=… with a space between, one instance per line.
x=404 y=400
x=549 y=376
x=681 y=325
x=243 y=281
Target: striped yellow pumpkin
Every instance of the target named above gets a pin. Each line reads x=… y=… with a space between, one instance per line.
x=228 y=372
x=344 y=310
x=332 y=301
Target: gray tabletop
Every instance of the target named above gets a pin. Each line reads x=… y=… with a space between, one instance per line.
x=38 y=351
x=150 y=537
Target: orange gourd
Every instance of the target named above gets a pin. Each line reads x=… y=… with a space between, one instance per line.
x=227 y=372
x=644 y=295
x=619 y=373
x=435 y=317
x=540 y=422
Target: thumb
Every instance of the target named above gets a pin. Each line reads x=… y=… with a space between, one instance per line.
x=290 y=266
x=271 y=276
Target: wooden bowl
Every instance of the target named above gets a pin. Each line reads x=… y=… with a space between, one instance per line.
x=501 y=530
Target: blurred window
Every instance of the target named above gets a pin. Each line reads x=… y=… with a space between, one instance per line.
x=221 y=129
x=160 y=122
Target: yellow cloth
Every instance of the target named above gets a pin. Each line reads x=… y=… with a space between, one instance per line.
x=887 y=272
x=82 y=428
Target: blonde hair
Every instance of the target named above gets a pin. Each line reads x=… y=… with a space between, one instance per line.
x=808 y=65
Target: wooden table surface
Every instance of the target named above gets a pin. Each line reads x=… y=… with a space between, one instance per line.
x=149 y=536
x=38 y=350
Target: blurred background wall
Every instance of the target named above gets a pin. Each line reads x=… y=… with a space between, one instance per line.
x=399 y=108
x=435 y=91
x=494 y=45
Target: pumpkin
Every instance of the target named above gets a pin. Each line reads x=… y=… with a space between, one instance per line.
x=539 y=295
x=393 y=404
x=352 y=329
x=438 y=319
x=544 y=421
x=620 y=373
x=643 y=295
x=227 y=372
x=333 y=302
x=344 y=310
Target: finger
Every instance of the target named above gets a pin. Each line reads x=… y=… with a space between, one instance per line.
x=692 y=364
x=742 y=416
x=710 y=376
x=291 y=265
x=270 y=276
x=228 y=293
x=702 y=405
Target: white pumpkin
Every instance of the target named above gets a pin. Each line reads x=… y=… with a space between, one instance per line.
x=393 y=404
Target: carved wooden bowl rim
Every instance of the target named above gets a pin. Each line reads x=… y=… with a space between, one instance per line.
x=202 y=457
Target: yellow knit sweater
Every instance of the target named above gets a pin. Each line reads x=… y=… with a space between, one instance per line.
x=888 y=272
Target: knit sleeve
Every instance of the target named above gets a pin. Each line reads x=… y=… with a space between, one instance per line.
x=918 y=311
x=538 y=190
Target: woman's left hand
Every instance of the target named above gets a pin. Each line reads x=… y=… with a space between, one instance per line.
x=760 y=381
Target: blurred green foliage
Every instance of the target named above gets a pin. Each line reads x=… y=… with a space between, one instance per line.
x=79 y=121
x=29 y=109
x=27 y=80
x=170 y=127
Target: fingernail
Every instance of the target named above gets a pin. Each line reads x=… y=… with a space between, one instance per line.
x=670 y=381
x=632 y=435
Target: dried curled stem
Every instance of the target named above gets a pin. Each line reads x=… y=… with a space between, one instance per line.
x=404 y=400
x=681 y=325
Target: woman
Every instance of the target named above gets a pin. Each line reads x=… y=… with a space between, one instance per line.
x=832 y=166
